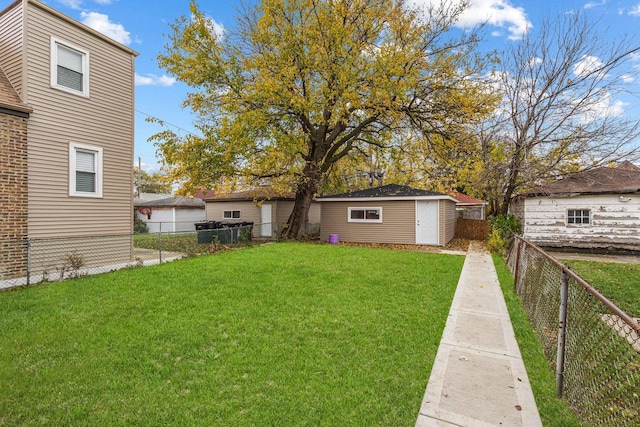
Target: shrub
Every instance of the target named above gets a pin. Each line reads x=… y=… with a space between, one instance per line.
x=503 y=228
x=139 y=226
x=496 y=243
x=506 y=225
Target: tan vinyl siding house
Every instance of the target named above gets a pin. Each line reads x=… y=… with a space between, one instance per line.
x=268 y=212
x=81 y=125
x=389 y=214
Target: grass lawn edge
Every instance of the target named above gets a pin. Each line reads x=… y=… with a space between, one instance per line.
x=553 y=410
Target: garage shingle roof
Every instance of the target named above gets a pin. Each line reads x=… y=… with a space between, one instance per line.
x=390 y=190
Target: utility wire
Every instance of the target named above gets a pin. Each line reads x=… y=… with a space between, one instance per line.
x=165 y=122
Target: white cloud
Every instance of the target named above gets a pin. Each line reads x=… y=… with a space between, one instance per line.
x=101 y=23
x=533 y=62
x=605 y=107
x=214 y=27
x=103 y=1
x=74 y=4
x=153 y=80
x=498 y=13
x=635 y=10
x=593 y=4
x=587 y=65
x=626 y=78
x=147 y=167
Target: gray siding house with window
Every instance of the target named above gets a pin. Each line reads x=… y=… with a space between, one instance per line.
x=389 y=214
x=79 y=86
x=597 y=209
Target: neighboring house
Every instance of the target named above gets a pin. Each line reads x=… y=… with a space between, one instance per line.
x=469 y=207
x=267 y=210
x=596 y=209
x=204 y=194
x=170 y=214
x=77 y=87
x=390 y=214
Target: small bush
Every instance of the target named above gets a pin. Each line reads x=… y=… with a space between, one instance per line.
x=72 y=263
x=139 y=226
x=496 y=244
x=503 y=228
x=506 y=225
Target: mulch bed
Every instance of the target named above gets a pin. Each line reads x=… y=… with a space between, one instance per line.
x=457 y=244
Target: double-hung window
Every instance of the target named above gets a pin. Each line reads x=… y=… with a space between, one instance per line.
x=578 y=216
x=69 y=68
x=85 y=172
x=365 y=214
x=230 y=214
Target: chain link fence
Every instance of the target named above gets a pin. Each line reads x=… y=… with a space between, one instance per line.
x=32 y=260
x=35 y=260
x=593 y=346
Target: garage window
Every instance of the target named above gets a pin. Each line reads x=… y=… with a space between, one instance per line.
x=365 y=214
x=231 y=214
x=578 y=216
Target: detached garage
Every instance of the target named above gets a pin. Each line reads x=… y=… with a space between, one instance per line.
x=389 y=214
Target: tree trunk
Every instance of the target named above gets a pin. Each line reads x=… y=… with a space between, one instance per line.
x=503 y=206
x=307 y=189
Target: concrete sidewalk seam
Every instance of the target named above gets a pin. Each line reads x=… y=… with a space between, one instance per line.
x=478 y=376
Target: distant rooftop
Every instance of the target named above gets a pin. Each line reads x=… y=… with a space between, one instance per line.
x=177 y=201
x=463 y=199
x=625 y=179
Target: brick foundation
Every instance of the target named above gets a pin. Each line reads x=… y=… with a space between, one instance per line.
x=13 y=195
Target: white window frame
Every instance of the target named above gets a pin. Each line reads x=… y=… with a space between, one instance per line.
x=361 y=208
x=73 y=149
x=54 y=68
x=581 y=216
x=224 y=214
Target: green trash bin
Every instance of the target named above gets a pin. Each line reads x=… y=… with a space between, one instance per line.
x=224 y=235
x=205 y=236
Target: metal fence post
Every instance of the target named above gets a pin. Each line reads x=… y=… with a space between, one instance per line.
x=562 y=332
x=160 y=243
x=28 y=261
x=516 y=272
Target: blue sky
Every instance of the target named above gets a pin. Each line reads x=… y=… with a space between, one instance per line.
x=143 y=25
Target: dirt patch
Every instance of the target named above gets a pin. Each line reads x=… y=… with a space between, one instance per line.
x=457 y=245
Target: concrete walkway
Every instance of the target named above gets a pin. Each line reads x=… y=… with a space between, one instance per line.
x=478 y=378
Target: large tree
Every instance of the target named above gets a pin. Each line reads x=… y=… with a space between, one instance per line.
x=150 y=182
x=303 y=85
x=561 y=110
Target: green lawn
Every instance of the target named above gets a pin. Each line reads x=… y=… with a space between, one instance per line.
x=283 y=334
x=618 y=282
x=553 y=410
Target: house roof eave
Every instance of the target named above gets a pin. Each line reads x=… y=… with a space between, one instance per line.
x=386 y=199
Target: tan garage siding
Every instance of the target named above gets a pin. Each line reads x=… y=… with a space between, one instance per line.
x=398 y=222
x=248 y=211
x=11 y=46
x=104 y=119
x=281 y=211
x=447 y=211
